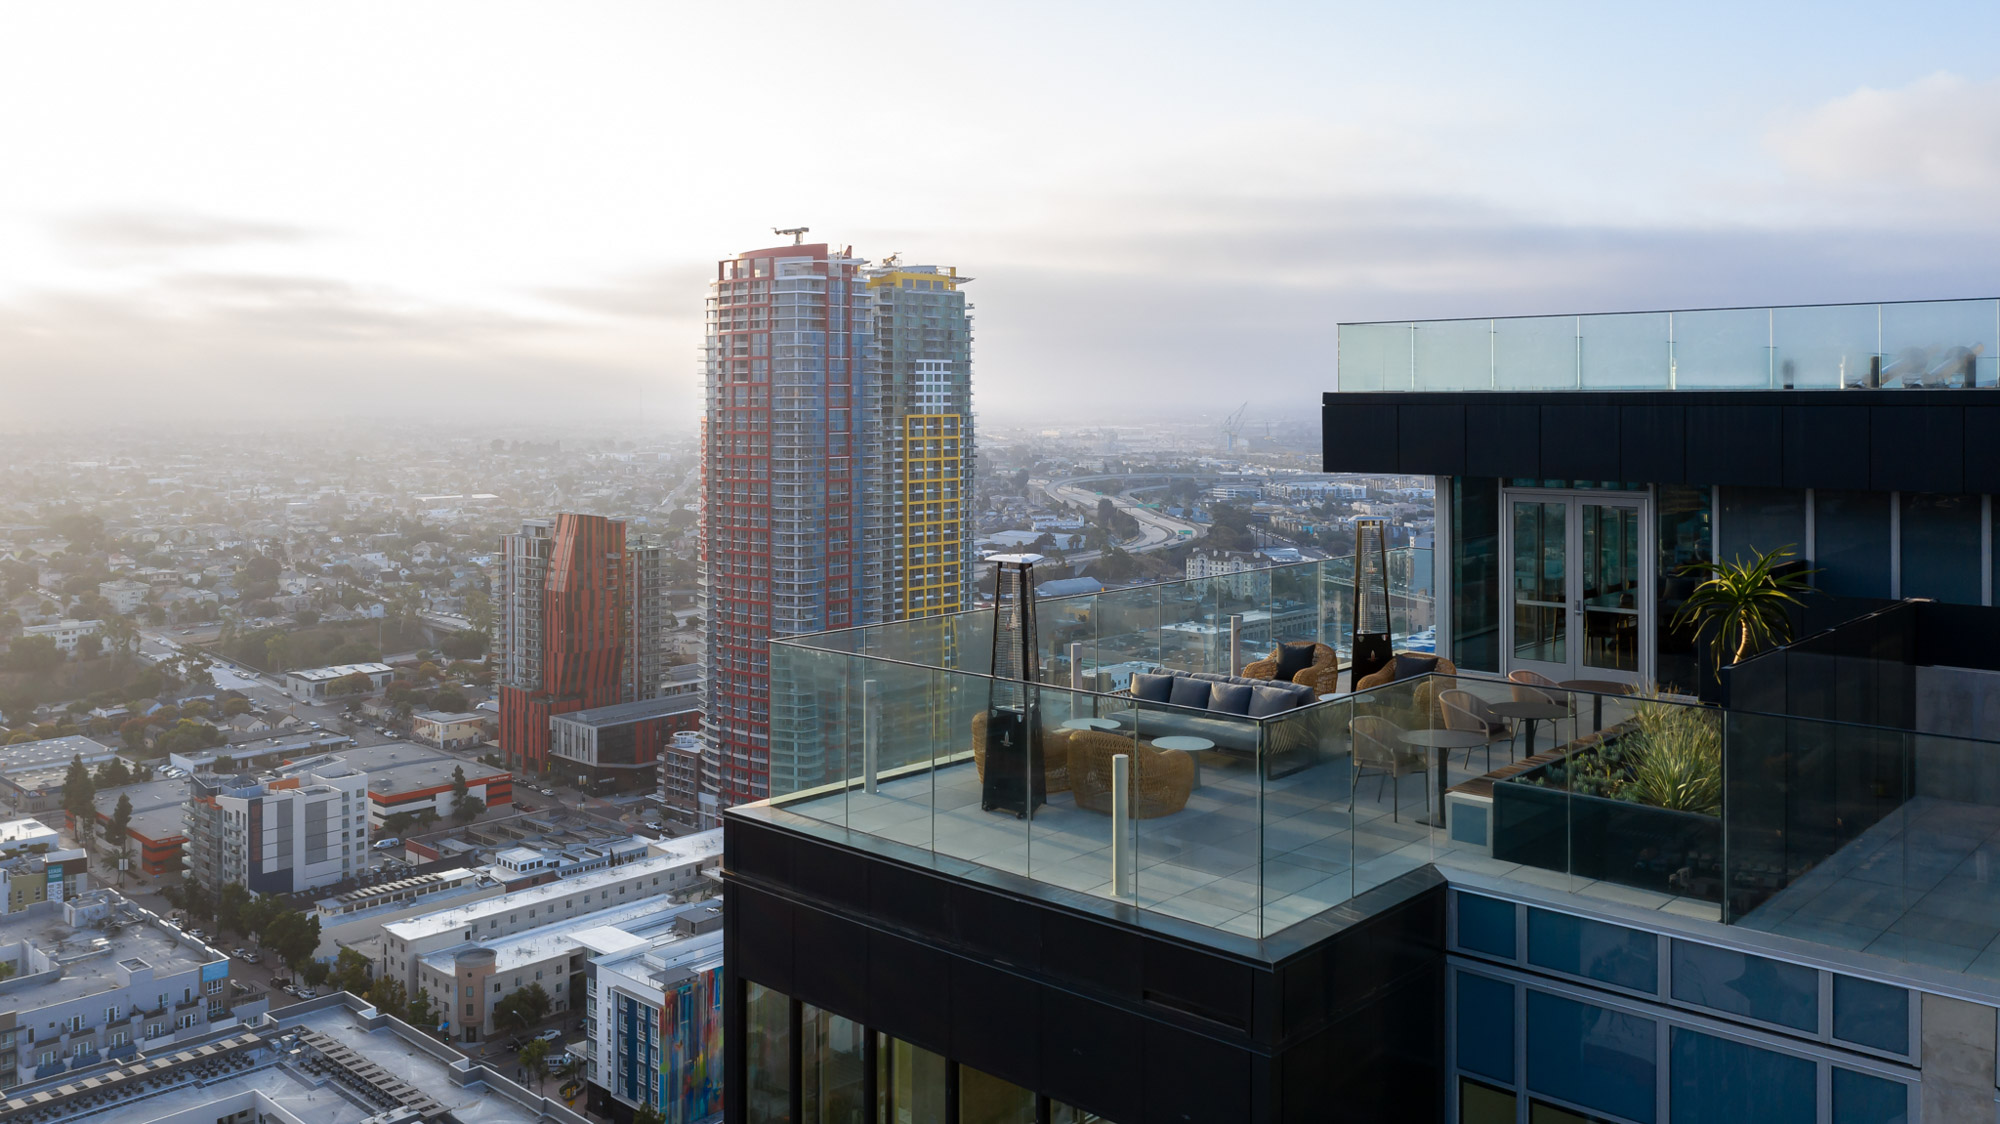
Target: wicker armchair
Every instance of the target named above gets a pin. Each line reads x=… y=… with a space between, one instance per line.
x=1379 y=749
x=1055 y=754
x=1161 y=779
x=1423 y=698
x=1322 y=676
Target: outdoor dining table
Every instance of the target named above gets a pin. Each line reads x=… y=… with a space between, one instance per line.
x=1598 y=688
x=1441 y=743
x=1529 y=712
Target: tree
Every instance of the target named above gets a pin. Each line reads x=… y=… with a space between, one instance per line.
x=418 y=1013
x=19 y=703
x=1744 y=603
x=523 y=1009
x=113 y=774
x=79 y=796
x=133 y=732
x=533 y=1055
x=193 y=899
x=353 y=683
x=468 y=809
x=450 y=700
x=294 y=936
x=387 y=994
x=196 y=708
x=313 y=972
x=36 y=655
x=234 y=706
x=458 y=789
x=306 y=618
x=229 y=904
x=258 y=914
x=648 y=1114
x=277 y=653
x=351 y=972
x=89 y=647
x=463 y=645
x=117 y=831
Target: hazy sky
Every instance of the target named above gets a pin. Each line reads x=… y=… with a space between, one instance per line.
x=492 y=211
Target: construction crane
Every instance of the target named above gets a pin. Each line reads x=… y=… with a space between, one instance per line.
x=798 y=233
x=1232 y=426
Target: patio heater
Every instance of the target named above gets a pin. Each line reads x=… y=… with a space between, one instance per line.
x=1014 y=779
x=1368 y=625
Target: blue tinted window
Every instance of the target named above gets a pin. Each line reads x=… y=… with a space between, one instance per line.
x=1486 y=925
x=1486 y=1027
x=1871 y=1014
x=1612 y=954
x=1760 y=520
x=1715 y=1079
x=1861 y=1098
x=1851 y=543
x=1941 y=547
x=1741 y=984
x=1593 y=1057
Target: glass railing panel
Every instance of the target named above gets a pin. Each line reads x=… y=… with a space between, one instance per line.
x=1535 y=353
x=1070 y=837
x=1722 y=349
x=1819 y=347
x=1938 y=344
x=1195 y=815
x=1128 y=628
x=1306 y=787
x=1455 y=354
x=1374 y=356
x=1392 y=769
x=1246 y=596
x=1188 y=626
x=909 y=738
x=815 y=715
x=1624 y=351
x=985 y=782
x=1069 y=631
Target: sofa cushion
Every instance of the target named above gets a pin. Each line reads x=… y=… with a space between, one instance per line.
x=1266 y=701
x=1229 y=698
x=1409 y=666
x=1152 y=688
x=1189 y=691
x=1293 y=657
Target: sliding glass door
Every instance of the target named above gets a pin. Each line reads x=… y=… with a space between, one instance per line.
x=1579 y=600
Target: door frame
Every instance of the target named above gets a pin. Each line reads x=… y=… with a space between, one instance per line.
x=1648 y=600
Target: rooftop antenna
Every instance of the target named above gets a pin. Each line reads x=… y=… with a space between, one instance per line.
x=797 y=232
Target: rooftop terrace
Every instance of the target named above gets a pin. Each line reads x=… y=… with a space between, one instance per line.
x=1859 y=837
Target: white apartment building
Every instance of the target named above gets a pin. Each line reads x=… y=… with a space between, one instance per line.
x=291 y=829
x=124 y=595
x=65 y=632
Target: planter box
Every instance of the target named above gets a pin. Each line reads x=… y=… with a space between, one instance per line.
x=1617 y=841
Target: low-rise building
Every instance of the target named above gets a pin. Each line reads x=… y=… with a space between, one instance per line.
x=617 y=748
x=96 y=978
x=65 y=632
x=409 y=779
x=355 y=919
x=251 y=756
x=159 y=822
x=457 y=730
x=676 y=870
x=654 y=1018
x=291 y=829
x=123 y=595
x=24 y=836
x=317 y=684
x=32 y=773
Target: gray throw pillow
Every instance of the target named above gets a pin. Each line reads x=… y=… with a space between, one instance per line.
x=1189 y=692
x=1293 y=657
x=1227 y=698
x=1152 y=688
x=1266 y=701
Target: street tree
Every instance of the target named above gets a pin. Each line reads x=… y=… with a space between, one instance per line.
x=351 y=972
x=229 y=904
x=387 y=996
x=79 y=796
x=418 y=1012
x=524 y=1008
x=532 y=1056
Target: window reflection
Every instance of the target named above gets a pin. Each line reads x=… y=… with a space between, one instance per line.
x=830 y=1068
x=986 y=1099
x=768 y=1053
x=909 y=1082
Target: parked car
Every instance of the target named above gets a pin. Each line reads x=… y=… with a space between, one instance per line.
x=560 y=1061
x=308 y=993
x=550 y=1035
x=251 y=957
x=389 y=844
x=288 y=989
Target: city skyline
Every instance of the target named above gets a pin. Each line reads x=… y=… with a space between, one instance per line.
x=474 y=222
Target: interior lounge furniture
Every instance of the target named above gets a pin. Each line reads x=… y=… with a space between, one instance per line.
x=1213 y=706
x=1409 y=665
x=1161 y=778
x=1055 y=754
x=1466 y=711
x=1379 y=749
x=1305 y=662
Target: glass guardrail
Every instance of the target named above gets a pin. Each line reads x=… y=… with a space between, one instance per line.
x=1916 y=344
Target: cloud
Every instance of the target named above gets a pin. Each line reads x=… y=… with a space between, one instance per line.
x=146 y=235
x=1941 y=133
x=664 y=294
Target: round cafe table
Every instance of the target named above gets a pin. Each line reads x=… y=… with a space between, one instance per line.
x=1529 y=712
x=1191 y=746
x=1090 y=724
x=1598 y=689
x=1441 y=743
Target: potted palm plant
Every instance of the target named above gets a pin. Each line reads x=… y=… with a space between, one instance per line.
x=1743 y=605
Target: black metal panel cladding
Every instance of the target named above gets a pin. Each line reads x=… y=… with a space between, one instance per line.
x=1859 y=440
x=1135 y=1024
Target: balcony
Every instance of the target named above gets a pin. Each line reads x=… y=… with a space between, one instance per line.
x=1914 y=344
x=1862 y=836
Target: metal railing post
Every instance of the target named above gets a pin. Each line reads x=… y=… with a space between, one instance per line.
x=1121 y=825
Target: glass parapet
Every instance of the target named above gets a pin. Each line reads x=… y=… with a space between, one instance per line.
x=1912 y=344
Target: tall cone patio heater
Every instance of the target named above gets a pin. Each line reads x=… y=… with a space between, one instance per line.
x=1015 y=781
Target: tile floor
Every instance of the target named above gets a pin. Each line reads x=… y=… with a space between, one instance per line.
x=1922 y=886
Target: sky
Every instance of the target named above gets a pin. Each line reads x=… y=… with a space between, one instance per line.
x=482 y=214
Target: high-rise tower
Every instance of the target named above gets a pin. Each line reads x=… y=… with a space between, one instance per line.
x=578 y=625
x=920 y=377
x=789 y=444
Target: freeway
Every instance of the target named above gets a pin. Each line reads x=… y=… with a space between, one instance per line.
x=1156 y=531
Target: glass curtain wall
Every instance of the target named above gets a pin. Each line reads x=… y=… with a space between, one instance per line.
x=1851 y=547
x=909 y=1082
x=1475 y=573
x=1760 y=520
x=1940 y=547
x=831 y=1070
x=768 y=1054
x=986 y=1099
x=1684 y=539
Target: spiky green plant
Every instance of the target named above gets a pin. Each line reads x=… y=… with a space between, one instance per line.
x=1677 y=757
x=1744 y=602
